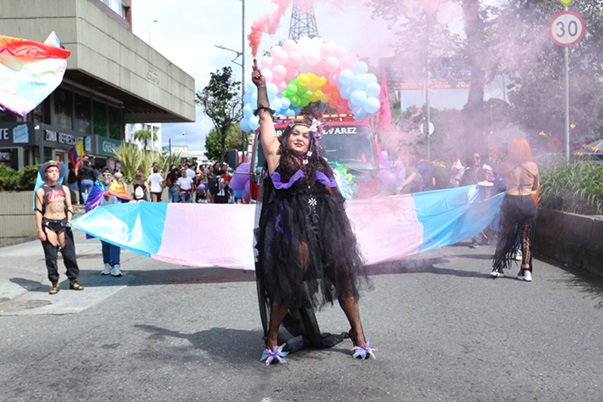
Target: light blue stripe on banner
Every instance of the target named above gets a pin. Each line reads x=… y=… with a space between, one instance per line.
x=453 y=215
x=135 y=226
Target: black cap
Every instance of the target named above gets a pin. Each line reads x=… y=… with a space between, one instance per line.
x=108 y=169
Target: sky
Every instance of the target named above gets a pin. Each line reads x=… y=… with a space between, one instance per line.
x=187 y=31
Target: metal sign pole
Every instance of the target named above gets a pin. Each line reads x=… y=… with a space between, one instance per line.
x=567 y=119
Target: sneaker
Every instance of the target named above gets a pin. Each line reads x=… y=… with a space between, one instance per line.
x=497 y=273
x=518 y=255
x=474 y=244
x=54 y=289
x=524 y=275
x=73 y=285
x=106 y=270
x=115 y=271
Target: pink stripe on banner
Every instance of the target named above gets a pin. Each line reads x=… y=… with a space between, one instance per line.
x=387 y=228
x=206 y=235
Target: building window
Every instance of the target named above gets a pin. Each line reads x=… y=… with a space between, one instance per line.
x=115 y=5
x=63 y=109
x=83 y=123
x=41 y=114
x=116 y=125
x=99 y=118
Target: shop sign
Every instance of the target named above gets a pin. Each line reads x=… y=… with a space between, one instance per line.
x=61 y=138
x=106 y=146
x=15 y=135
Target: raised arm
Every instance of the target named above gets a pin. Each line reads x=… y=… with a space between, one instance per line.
x=268 y=139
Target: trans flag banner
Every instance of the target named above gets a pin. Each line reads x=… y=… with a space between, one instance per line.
x=29 y=71
x=388 y=228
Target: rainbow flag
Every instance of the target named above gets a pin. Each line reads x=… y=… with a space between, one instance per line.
x=387 y=228
x=29 y=71
x=76 y=152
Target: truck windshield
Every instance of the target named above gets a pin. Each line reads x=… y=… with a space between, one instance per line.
x=350 y=146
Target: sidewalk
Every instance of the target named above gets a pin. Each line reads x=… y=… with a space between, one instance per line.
x=22 y=266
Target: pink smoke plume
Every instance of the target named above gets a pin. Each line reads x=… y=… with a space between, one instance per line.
x=266 y=24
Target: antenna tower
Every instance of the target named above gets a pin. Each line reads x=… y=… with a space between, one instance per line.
x=303 y=21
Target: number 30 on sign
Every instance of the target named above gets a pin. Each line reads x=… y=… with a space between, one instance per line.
x=567 y=28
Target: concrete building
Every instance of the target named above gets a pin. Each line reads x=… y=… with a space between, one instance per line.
x=113 y=78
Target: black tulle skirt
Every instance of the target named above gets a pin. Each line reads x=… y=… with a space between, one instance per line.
x=307 y=250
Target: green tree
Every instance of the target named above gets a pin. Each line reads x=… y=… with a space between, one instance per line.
x=221 y=102
x=145 y=136
x=213 y=146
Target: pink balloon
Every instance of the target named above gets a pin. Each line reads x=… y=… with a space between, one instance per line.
x=267 y=62
x=333 y=79
x=289 y=46
x=267 y=75
x=279 y=56
x=347 y=62
x=282 y=87
x=332 y=64
x=291 y=74
x=295 y=60
x=279 y=72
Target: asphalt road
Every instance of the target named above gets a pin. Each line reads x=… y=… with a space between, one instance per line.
x=444 y=331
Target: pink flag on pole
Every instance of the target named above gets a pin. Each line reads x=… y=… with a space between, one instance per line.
x=384 y=117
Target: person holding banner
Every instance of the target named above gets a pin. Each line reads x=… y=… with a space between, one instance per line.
x=518 y=210
x=308 y=252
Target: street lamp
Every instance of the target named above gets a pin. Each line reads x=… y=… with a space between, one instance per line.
x=242 y=64
x=149 y=32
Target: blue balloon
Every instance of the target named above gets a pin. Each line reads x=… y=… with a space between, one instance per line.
x=254 y=123
x=244 y=124
x=373 y=89
x=371 y=78
x=276 y=104
x=285 y=103
x=272 y=90
x=357 y=98
x=360 y=81
x=247 y=110
x=346 y=77
x=360 y=68
x=371 y=105
x=346 y=92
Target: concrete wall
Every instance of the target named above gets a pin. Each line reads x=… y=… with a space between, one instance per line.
x=573 y=240
x=17 y=223
x=105 y=48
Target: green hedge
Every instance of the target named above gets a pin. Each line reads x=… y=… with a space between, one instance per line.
x=575 y=187
x=14 y=180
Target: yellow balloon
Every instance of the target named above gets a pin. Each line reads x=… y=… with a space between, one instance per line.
x=303 y=80
x=321 y=81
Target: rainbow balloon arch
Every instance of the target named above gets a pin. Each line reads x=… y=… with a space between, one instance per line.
x=312 y=70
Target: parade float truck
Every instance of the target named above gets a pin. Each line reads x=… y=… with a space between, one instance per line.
x=349 y=146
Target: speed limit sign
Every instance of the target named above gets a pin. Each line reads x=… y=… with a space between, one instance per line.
x=567 y=28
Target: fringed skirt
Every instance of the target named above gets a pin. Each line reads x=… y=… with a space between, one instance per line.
x=517 y=229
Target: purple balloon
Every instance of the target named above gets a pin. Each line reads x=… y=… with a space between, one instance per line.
x=240 y=177
x=201 y=187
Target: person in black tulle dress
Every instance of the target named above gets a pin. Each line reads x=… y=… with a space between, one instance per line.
x=307 y=251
